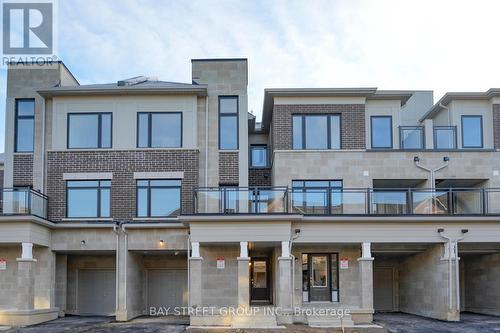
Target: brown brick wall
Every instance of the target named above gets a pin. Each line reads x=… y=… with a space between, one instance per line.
x=259 y=177
x=228 y=168
x=352 y=123
x=23 y=170
x=122 y=164
x=496 y=125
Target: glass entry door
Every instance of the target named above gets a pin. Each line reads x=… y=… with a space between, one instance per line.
x=320 y=277
x=259 y=281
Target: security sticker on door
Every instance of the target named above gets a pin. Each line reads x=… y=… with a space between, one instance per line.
x=221 y=263
x=3 y=264
x=344 y=263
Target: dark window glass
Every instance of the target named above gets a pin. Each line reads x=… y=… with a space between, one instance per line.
x=24 y=126
x=89 y=130
x=472 y=131
x=228 y=122
x=334 y=258
x=381 y=129
x=316 y=196
x=88 y=198
x=158 y=198
x=258 y=156
x=316 y=132
x=159 y=130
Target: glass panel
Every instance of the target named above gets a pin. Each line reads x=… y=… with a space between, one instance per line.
x=83 y=183
x=334 y=274
x=389 y=202
x=353 y=202
x=472 y=132
x=297 y=132
x=335 y=132
x=143 y=183
x=319 y=271
x=15 y=202
x=105 y=202
x=105 y=183
x=83 y=130
x=381 y=132
x=228 y=132
x=259 y=274
x=228 y=105
x=142 y=202
x=316 y=132
x=82 y=203
x=143 y=128
x=428 y=202
x=445 y=138
x=316 y=183
x=411 y=138
x=305 y=273
x=493 y=198
x=259 y=156
x=165 y=202
x=106 y=131
x=165 y=182
x=25 y=107
x=24 y=133
x=467 y=201
x=166 y=130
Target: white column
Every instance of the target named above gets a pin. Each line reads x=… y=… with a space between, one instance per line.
x=243 y=250
x=27 y=252
x=365 y=263
x=195 y=249
x=285 y=249
x=366 y=252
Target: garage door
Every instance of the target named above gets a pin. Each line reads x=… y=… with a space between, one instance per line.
x=383 y=289
x=167 y=288
x=96 y=292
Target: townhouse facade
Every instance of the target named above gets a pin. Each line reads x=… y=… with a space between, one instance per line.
x=129 y=198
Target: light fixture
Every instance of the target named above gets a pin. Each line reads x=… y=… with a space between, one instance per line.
x=416 y=159
x=176 y=253
x=82 y=242
x=446 y=158
x=161 y=241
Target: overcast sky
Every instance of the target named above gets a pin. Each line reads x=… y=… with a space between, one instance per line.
x=432 y=45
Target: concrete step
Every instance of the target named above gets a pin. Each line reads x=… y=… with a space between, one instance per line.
x=256 y=319
x=329 y=321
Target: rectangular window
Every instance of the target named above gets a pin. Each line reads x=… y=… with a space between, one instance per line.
x=316 y=131
x=24 y=126
x=472 y=132
x=228 y=122
x=412 y=137
x=320 y=277
x=88 y=198
x=158 y=197
x=258 y=156
x=89 y=130
x=445 y=137
x=381 y=132
x=159 y=129
x=316 y=196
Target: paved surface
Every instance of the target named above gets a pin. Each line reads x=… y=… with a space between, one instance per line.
x=406 y=323
x=106 y=325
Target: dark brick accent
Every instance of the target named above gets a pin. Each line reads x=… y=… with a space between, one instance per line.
x=259 y=177
x=496 y=125
x=352 y=123
x=122 y=164
x=23 y=170
x=228 y=168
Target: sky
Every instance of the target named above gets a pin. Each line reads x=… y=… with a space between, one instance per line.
x=389 y=44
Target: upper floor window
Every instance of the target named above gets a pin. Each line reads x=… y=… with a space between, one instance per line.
x=258 y=156
x=472 y=132
x=88 y=198
x=445 y=137
x=24 y=126
x=412 y=137
x=158 y=197
x=381 y=132
x=316 y=131
x=159 y=129
x=89 y=130
x=228 y=122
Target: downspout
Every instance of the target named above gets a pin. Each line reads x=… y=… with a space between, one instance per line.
x=115 y=230
x=457 y=270
x=206 y=141
x=188 y=268
x=125 y=266
x=292 y=238
x=417 y=164
x=450 y=293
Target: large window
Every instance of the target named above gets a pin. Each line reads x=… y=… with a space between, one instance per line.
x=316 y=131
x=158 y=197
x=24 y=126
x=381 y=132
x=228 y=122
x=159 y=130
x=472 y=132
x=317 y=196
x=258 y=156
x=88 y=198
x=89 y=130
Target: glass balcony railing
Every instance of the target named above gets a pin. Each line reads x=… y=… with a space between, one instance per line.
x=348 y=201
x=23 y=201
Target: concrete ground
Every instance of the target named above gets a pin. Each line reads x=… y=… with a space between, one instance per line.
x=406 y=323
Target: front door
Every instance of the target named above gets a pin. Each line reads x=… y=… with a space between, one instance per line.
x=259 y=280
x=319 y=278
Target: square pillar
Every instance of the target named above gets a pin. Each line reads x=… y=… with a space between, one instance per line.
x=25 y=297
x=243 y=276
x=365 y=263
x=195 y=275
x=285 y=278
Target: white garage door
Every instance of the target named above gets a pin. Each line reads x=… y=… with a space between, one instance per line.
x=96 y=292
x=167 y=288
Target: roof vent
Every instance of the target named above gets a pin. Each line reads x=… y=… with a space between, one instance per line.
x=132 y=81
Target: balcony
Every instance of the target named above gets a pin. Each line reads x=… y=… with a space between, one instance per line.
x=338 y=201
x=23 y=201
